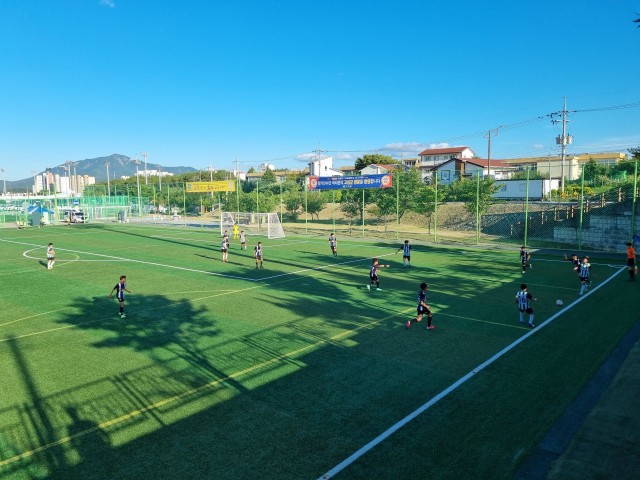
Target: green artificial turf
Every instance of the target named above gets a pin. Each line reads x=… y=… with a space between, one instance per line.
x=221 y=370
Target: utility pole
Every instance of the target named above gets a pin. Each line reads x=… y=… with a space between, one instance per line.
x=562 y=140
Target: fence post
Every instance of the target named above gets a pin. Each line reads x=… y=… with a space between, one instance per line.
x=363 y=213
x=526 y=210
x=581 y=211
x=478 y=207
x=633 y=207
x=435 y=211
x=397 y=204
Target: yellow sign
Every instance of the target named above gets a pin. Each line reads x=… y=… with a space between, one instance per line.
x=222 y=186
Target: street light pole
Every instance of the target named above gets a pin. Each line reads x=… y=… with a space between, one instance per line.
x=106 y=164
x=159 y=177
x=137 y=162
x=75 y=178
x=144 y=155
x=35 y=187
x=4 y=184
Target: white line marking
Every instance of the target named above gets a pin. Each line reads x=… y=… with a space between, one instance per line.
x=394 y=428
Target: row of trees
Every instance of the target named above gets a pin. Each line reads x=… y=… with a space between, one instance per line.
x=408 y=194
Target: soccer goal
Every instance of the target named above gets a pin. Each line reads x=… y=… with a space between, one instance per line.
x=252 y=223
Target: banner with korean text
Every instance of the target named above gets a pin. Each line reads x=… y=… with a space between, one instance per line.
x=355 y=181
x=221 y=186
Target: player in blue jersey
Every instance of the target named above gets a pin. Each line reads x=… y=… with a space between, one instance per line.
x=333 y=243
x=523 y=300
x=120 y=288
x=422 y=308
x=257 y=253
x=406 y=253
x=584 y=273
x=525 y=258
x=224 y=248
x=373 y=274
x=51 y=256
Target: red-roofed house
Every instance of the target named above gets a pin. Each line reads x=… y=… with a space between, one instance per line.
x=436 y=156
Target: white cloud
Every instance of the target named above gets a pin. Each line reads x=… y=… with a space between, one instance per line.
x=108 y=3
x=538 y=146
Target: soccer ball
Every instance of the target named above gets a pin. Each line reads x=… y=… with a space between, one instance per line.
x=559 y=303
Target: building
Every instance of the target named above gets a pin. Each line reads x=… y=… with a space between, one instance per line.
x=551 y=166
x=375 y=169
x=436 y=156
x=458 y=168
x=323 y=167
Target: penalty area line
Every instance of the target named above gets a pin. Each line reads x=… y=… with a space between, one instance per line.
x=454 y=386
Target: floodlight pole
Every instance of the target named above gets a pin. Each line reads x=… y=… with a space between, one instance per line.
x=106 y=164
x=4 y=183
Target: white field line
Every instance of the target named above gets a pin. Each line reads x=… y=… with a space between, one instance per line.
x=397 y=426
x=205 y=272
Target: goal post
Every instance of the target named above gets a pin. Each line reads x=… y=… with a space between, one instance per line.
x=252 y=223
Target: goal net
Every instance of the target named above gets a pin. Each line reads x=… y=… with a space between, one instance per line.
x=252 y=223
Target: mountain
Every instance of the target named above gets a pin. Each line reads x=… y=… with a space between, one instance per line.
x=119 y=165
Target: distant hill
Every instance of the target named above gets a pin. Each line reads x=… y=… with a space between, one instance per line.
x=119 y=165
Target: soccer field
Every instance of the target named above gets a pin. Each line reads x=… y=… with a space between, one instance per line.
x=292 y=371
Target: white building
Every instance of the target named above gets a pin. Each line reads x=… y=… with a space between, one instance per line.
x=323 y=167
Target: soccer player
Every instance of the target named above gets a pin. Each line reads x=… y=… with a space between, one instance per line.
x=225 y=237
x=120 y=288
x=257 y=252
x=525 y=258
x=333 y=242
x=422 y=308
x=51 y=256
x=631 y=261
x=243 y=241
x=523 y=300
x=406 y=254
x=224 y=248
x=235 y=231
x=584 y=273
x=575 y=261
x=373 y=274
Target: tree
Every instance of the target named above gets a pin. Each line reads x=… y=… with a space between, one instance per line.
x=292 y=202
x=425 y=203
x=473 y=195
x=592 y=170
x=269 y=176
x=351 y=206
x=315 y=203
x=251 y=170
x=377 y=159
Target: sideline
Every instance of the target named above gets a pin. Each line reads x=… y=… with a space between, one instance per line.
x=454 y=386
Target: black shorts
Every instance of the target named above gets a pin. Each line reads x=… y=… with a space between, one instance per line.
x=528 y=310
x=422 y=310
x=631 y=262
x=585 y=279
x=408 y=257
x=120 y=296
x=374 y=278
x=223 y=250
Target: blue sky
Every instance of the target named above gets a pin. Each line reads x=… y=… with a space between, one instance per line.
x=203 y=82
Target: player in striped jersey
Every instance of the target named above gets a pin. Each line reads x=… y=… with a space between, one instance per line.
x=333 y=242
x=523 y=300
x=525 y=258
x=120 y=288
x=373 y=274
x=584 y=273
x=257 y=253
x=406 y=253
x=224 y=248
x=422 y=308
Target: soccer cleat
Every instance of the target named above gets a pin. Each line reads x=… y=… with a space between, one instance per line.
x=530 y=266
x=521 y=321
x=368 y=287
x=431 y=327
x=378 y=288
x=408 y=323
x=122 y=315
x=531 y=324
